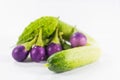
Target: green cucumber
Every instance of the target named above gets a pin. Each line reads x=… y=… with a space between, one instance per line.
x=72 y=58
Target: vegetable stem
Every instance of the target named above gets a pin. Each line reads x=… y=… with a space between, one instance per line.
x=55 y=38
x=67 y=30
x=28 y=45
x=39 y=40
x=63 y=42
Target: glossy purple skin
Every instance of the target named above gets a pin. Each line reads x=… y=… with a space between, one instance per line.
x=19 y=53
x=53 y=48
x=78 y=39
x=38 y=54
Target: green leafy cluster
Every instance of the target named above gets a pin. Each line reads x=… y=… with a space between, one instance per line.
x=47 y=23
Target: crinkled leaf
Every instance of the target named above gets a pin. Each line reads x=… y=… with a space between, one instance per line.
x=47 y=23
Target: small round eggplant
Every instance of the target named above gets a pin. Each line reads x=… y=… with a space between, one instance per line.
x=37 y=54
x=53 y=48
x=19 y=53
x=78 y=39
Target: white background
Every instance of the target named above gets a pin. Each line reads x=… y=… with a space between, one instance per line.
x=99 y=18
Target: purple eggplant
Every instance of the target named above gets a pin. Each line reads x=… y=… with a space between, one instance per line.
x=38 y=53
x=54 y=46
x=21 y=52
x=78 y=39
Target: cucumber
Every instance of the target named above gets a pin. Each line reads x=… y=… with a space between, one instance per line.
x=72 y=58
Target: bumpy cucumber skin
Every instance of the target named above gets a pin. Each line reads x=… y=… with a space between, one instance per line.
x=72 y=58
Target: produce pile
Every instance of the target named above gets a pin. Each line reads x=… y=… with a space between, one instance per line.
x=62 y=45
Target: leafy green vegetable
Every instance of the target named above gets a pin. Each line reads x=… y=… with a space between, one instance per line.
x=47 y=23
